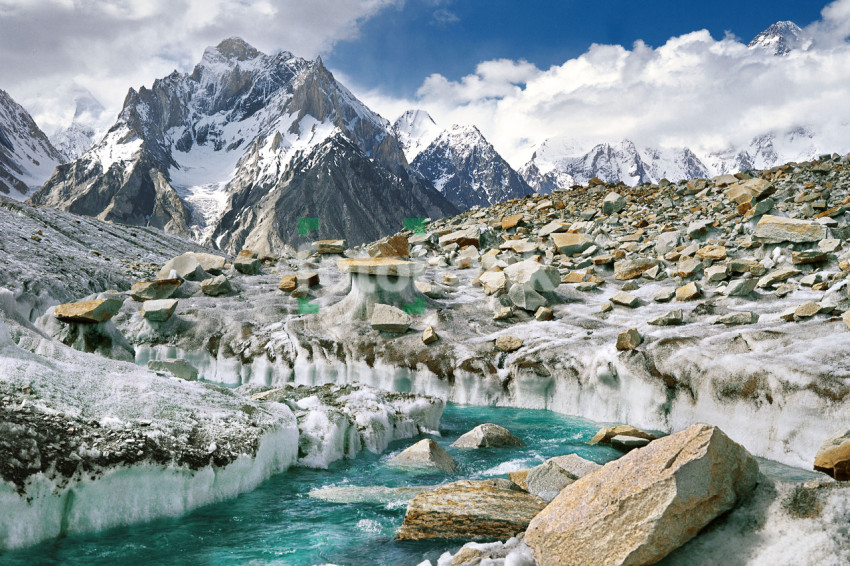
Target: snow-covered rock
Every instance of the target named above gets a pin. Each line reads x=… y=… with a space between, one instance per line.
x=27 y=158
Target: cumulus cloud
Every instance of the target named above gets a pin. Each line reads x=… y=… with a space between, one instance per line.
x=49 y=49
x=693 y=90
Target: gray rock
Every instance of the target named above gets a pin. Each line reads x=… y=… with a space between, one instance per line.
x=425 y=454
x=185 y=266
x=547 y=480
x=158 y=311
x=487 y=435
x=218 y=285
x=153 y=290
x=625 y=442
x=388 y=318
x=576 y=466
x=741 y=287
x=671 y=318
x=247 y=265
x=612 y=203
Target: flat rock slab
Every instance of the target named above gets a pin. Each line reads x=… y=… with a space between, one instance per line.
x=158 y=311
x=153 y=290
x=329 y=246
x=777 y=229
x=185 y=266
x=489 y=509
x=98 y=310
x=425 y=454
x=605 y=434
x=381 y=266
x=487 y=435
x=547 y=480
x=638 y=509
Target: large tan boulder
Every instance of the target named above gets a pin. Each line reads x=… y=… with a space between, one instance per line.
x=211 y=263
x=488 y=509
x=98 y=310
x=381 y=266
x=833 y=457
x=633 y=268
x=570 y=243
x=154 y=290
x=184 y=266
x=638 y=509
x=776 y=229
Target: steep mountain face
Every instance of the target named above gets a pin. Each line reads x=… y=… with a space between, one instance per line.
x=335 y=181
x=27 y=158
x=415 y=130
x=561 y=163
x=780 y=38
x=79 y=136
x=460 y=163
x=183 y=154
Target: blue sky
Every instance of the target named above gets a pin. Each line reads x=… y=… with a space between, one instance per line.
x=400 y=46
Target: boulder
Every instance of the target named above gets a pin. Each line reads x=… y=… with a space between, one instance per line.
x=425 y=454
x=688 y=292
x=533 y=275
x=511 y=221
x=464 y=237
x=605 y=434
x=671 y=318
x=776 y=229
x=526 y=298
x=777 y=276
x=633 y=268
x=576 y=466
x=638 y=509
x=488 y=509
x=211 y=263
x=215 y=286
x=738 y=318
x=833 y=457
x=98 y=310
x=569 y=243
x=612 y=203
x=493 y=282
x=178 y=367
x=543 y=314
x=429 y=336
x=624 y=299
x=629 y=340
x=625 y=443
x=329 y=246
x=487 y=435
x=158 y=311
x=741 y=287
x=185 y=266
x=666 y=242
x=307 y=278
x=388 y=318
x=508 y=343
x=288 y=283
x=396 y=246
x=712 y=252
x=547 y=480
x=153 y=290
x=247 y=265
x=381 y=266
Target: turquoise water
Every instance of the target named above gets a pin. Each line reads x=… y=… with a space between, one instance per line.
x=279 y=523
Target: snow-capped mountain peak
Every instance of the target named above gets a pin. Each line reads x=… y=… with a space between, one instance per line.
x=415 y=130
x=210 y=154
x=27 y=158
x=85 y=127
x=780 y=38
x=467 y=169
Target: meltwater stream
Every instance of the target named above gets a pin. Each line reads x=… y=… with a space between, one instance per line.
x=279 y=523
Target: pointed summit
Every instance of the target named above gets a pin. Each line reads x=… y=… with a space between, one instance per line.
x=780 y=38
x=415 y=129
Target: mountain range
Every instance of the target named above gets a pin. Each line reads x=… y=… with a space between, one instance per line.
x=237 y=151
x=234 y=153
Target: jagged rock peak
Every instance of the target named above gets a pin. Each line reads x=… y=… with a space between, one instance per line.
x=780 y=38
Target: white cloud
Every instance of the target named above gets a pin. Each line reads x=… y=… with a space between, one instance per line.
x=693 y=90
x=49 y=48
